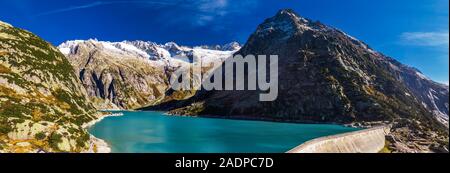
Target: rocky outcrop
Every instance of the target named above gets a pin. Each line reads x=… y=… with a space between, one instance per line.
x=233 y=46
x=328 y=76
x=42 y=104
x=122 y=79
x=432 y=95
x=132 y=74
x=364 y=141
x=410 y=136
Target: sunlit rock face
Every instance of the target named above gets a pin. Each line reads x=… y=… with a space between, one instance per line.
x=42 y=103
x=134 y=74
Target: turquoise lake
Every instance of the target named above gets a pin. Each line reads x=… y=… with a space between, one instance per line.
x=154 y=132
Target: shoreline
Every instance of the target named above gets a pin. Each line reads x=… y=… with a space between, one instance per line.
x=261 y=119
x=97 y=145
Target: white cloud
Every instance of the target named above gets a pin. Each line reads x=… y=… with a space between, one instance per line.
x=211 y=5
x=199 y=13
x=101 y=3
x=209 y=10
x=203 y=20
x=425 y=38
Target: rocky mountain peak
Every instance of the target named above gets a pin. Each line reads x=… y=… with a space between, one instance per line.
x=142 y=44
x=289 y=13
x=173 y=47
x=233 y=46
x=285 y=24
x=326 y=75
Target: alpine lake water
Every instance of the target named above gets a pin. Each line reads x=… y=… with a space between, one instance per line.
x=154 y=132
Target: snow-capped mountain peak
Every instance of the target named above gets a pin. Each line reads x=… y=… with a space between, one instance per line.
x=233 y=46
x=151 y=51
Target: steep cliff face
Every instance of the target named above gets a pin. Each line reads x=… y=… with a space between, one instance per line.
x=123 y=80
x=326 y=75
x=432 y=95
x=42 y=104
x=133 y=74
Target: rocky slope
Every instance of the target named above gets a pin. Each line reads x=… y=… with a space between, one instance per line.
x=134 y=74
x=42 y=104
x=328 y=76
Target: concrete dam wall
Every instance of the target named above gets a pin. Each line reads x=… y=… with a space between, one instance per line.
x=363 y=141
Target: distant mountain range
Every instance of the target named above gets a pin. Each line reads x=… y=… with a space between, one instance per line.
x=47 y=94
x=134 y=74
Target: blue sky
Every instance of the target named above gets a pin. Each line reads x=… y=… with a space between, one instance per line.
x=414 y=32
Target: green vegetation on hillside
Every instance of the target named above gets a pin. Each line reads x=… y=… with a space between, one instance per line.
x=42 y=103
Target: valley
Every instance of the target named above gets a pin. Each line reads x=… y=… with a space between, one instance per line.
x=48 y=94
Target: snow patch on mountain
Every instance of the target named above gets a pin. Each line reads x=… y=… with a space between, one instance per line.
x=65 y=50
x=422 y=76
x=170 y=54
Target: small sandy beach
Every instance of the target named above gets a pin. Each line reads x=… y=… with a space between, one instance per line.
x=97 y=145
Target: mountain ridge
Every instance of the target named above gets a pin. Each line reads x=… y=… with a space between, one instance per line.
x=106 y=72
x=42 y=104
x=325 y=75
